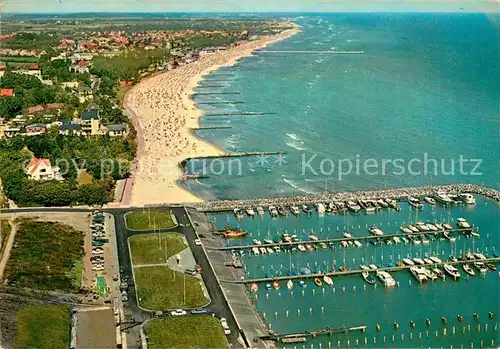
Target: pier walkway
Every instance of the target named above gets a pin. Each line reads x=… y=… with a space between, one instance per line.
x=367 y=237
x=351 y=272
x=215 y=93
x=296 y=337
x=208 y=86
x=210 y=128
x=244 y=113
x=236 y=155
x=220 y=102
x=315 y=52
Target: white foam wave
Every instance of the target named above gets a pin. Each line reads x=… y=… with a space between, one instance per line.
x=295 y=186
x=295 y=146
x=203 y=185
x=293 y=136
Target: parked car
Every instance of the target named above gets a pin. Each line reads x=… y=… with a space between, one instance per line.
x=198 y=311
x=197 y=242
x=225 y=326
x=190 y=271
x=178 y=312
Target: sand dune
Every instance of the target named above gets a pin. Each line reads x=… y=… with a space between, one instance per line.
x=163 y=113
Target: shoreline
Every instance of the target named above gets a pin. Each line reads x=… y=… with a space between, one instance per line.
x=163 y=113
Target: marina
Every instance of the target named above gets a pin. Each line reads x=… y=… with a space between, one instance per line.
x=368 y=281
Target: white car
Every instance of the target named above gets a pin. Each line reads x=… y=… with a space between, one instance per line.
x=178 y=312
x=197 y=242
x=225 y=326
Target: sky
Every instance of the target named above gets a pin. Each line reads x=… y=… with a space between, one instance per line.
x=72 y=6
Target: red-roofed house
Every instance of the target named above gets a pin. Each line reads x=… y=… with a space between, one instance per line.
x=32 y=69
x=42 y=170
x=81 y=67
x=7 y=92
x=35 y=109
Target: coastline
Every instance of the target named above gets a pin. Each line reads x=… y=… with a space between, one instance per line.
x=163 y=113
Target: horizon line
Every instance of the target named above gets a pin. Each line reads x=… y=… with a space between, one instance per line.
x=242 y=12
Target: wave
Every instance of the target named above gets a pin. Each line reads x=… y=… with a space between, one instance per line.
x=203 y=185
x=293 y=136
x=295 y=146
x=295 y=186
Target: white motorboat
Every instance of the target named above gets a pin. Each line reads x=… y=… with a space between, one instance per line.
x=357 y=243
x=443 y=198
x=479 y=255
x=373 y=266
x=344 y=244
x=260 y=211
x=289 y=284
x=467 y=198
x=328 y=280
x=419 y=261
x=268 y=241
x=447 y=226
x=468 y=269
x=483 y=269
x=405 y=229
x=364 y=267
x=313 y=237
x=432 y=227
x=408 y=261
x=430 y=200
x=428 y=261
x=273 y=211
x=386 y=278
x=354 y=207
x=250 y=212
x=301 y=248
x=382 y=203
x=255 y=251
x=430 y=274
x=347 y=235
x=270 y=250
x=257 y=242
x=376 y=231
x=295 y=210
x=451 y=270
x=435 y=260
x=462 y=223
x=262 y=250
x=415 y=202
x=439 y=226
x=419 y=274
x=237 y=213
x=413 y=228
x=320 y=207
x=396 y=240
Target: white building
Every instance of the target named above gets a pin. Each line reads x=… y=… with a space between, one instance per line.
x=42 y=170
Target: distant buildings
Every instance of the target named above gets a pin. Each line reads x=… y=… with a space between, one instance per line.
x=81 y=67
x=32 y=70
x=42 y=170
x=83 y=93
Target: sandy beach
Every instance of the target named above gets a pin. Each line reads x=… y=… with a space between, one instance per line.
x=163 y=114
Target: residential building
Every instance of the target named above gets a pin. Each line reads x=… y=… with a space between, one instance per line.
x=32 y=70
x=70 y=84
x=83 y=93
x=90 y=121
x=35 y=129
x=117 y=130
x=42 y=170
x=70 y=129
x=36 y=109
x=11 y=132
x=7 y=92
x=81 y=67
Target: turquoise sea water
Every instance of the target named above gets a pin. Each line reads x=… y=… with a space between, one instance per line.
x=427 y=83
x=352 y=302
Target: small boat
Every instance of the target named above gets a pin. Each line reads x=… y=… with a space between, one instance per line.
x=405 y=229
x=438 y=272
x=318 y=282
x=301 y=248
x=289 y=284
x=408 y=261
x=323 y=245
x=368 y=278
x=306 y=209
x=396 y=240
x=386 y=278
x=419 y=274
x=436 y=260
x=268 y=286
x=302 y=283
x=352 y=206
x=255 y=251
x=443 y=198
x=468 y=269
x=432 y=227
x=450 y=269
x=453 y=259
x=376 y=231
x=479 y=255
x=276 y=285
x=277 y=249
x=491 y=266
x=462 y=223
x=231 y=233
x=415 y=202
x=238 y=213
x=273 y=211
x=428 y=261
x=257 y=242
x=470 y=256
x=405 y=239
x=260 y=211
x=382 y=203
x=295 y=210
x=305 y=271
x=413 y=228
x=430 y=200
x=320 y=207
x=447 y=235
x=309 y=247
x=419 y=261
x=344 y=244
x=400 y=264
x=281 y=211
x=254 y=287
x=313 y=238
x=373 y=266
x=347 y=235
x=392 y=203
x=447 y=226
x=439 y=226
x=430 y=274
x=357 y=243
x=270 y=250
x=483 y=269
x=328 y=280
x=364 y=267
x=250 y=212
x=286 y=238
x=268 y=241
x=263 y=250
x=342 y=268
x=467 y=198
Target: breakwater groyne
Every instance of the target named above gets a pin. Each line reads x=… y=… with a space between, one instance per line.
x=242 y=113
x=394 y=193
x=184 y=162
x=220 y=102
x=211 y=128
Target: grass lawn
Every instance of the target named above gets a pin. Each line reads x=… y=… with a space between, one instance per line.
x=44 y=256
x=85 y=178
x=186 y=332
x=145 y=249
x=76 y=273
x=157 y=289
x=43 y=327
x=149 y=219
x=4 y=236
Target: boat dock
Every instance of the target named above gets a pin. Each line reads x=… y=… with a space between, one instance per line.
x=394 y=193
x=211 y=128
x=300 y=337
x=243 y=113
x=315 y=52
x=349 y=272
x=368 y=237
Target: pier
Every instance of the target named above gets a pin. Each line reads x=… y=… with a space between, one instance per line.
x=220 y=80
x=215 y=93
x=316 y=52
x=221 y=102
x=243 y=113
x=234 y=155
x=297 y=337
x=211 y=128
x=367 y=237
x=207 y=86
x=394 y=193
x=349 y=272
x=193 y=177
